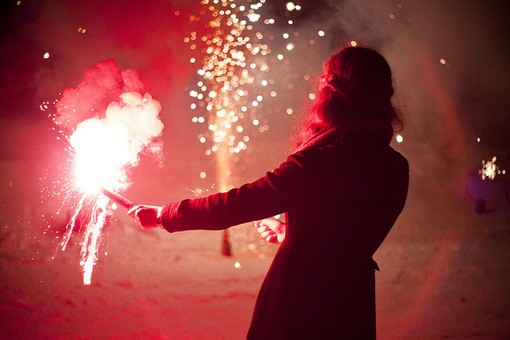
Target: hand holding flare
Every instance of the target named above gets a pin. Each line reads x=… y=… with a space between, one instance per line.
x=147 y=216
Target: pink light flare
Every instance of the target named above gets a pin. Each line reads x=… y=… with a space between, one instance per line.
x=104 y=146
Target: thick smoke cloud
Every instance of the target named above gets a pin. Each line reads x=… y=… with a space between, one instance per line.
x=111 y=124
x=100 y=86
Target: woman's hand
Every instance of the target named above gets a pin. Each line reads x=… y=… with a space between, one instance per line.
x=147 y=216
x=272 y=230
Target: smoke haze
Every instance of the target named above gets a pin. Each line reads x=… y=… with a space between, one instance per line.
x=450 y=63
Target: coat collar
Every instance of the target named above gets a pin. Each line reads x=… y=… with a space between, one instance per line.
x=359 y=133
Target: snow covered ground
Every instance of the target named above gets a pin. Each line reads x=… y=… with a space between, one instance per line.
x=444 y=274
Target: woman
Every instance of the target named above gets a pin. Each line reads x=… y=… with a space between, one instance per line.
x=342 y=190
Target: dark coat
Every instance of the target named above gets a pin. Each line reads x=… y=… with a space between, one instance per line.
x=342 y=194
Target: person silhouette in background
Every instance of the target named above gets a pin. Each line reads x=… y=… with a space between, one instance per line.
x=341 y=190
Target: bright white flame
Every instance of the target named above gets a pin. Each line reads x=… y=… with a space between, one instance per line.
x=104 y=147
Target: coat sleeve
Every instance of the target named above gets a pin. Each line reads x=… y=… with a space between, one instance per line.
x=276 y=192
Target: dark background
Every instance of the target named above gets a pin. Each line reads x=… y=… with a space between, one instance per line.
x=445 y=264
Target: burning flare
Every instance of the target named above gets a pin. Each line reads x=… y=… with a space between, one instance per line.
x=112 y=124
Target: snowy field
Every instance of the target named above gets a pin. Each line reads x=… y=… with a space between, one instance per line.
x=444 y=274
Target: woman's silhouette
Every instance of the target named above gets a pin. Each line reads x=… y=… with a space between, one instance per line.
x=341 y=190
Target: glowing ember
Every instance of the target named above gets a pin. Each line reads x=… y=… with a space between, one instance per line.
x=104 y=147
x=490 y=169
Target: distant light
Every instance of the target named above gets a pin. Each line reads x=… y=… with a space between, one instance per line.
x=290 y=111
x=321 y=33
x=203 y=175
x=46 y=55
x=392 y=16
x=478 y=139
x=489 y=169
x=290 y=47
x=354 y=43
x=237 y=265
x=399 y=138
x=442 y=61
x=290 y=6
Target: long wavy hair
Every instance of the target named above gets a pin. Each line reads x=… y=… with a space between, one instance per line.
x=356 y=88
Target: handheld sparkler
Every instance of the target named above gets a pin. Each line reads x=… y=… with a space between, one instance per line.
x=119 y=199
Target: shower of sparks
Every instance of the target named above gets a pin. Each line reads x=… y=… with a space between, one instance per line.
x=231 y=61
x=102 y=149
x=235 y=82
x=490 y=169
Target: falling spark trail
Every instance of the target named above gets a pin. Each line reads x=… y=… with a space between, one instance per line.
x=92 y=238
x=72 y=222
